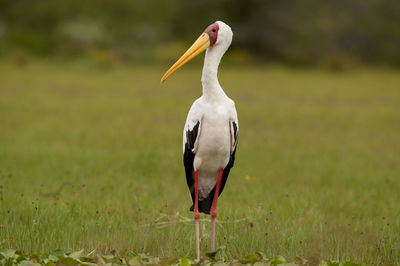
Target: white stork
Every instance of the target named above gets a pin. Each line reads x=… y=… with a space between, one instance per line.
x=211 y=129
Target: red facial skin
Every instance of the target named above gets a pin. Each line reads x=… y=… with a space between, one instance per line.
x=212 y=32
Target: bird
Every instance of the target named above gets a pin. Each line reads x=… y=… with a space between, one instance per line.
x=210 y=134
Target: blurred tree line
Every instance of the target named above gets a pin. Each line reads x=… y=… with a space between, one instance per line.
x=303 y=32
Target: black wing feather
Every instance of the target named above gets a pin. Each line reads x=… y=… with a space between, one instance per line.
x=230 y=164
x=188 y=157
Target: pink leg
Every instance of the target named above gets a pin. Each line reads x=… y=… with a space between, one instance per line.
x=214 y=209
x=197 y=214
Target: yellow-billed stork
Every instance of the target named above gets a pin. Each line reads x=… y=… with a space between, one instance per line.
x=211 y=130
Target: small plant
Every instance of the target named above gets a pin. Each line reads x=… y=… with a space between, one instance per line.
x=11 y=257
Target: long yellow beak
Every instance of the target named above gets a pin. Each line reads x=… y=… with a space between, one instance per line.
x=202 y=43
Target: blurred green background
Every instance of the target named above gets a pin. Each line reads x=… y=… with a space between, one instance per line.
x=337 y=33
x=91 y=143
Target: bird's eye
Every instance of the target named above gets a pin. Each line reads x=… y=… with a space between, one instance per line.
x=213 y=30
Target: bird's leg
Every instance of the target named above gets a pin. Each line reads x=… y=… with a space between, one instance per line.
x=214 y=209
x=196 y=213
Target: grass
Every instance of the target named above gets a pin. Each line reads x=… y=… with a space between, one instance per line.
x=91 y=158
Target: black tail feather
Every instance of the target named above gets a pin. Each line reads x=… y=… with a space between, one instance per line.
x=205 y=204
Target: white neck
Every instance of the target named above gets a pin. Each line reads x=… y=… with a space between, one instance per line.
x=211 y=88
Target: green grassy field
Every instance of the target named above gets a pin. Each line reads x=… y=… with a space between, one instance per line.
x=92 y=159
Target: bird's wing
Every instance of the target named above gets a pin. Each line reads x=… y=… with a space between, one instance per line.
x=234 y=129
x=191 y=132
x=234 y=126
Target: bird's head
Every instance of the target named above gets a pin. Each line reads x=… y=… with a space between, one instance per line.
x=216 y=35
x=222 y=32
